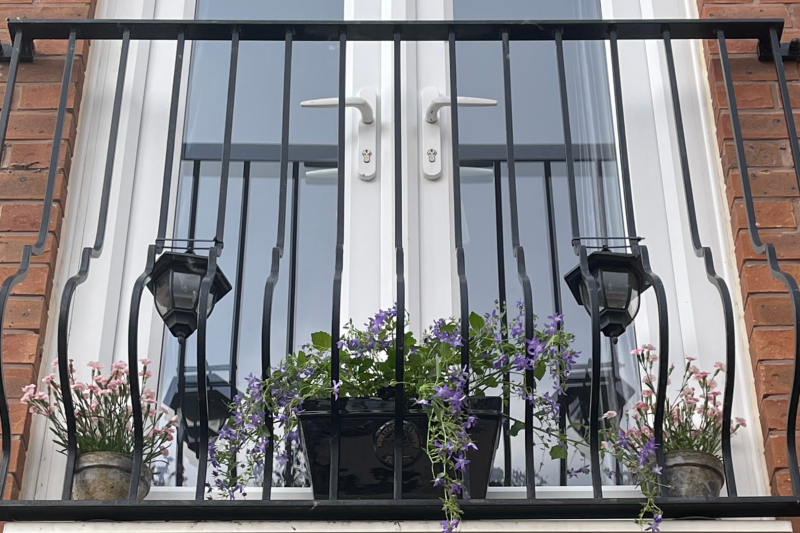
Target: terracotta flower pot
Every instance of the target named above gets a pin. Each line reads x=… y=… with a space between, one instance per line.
x=693 y=474
x=107 y=476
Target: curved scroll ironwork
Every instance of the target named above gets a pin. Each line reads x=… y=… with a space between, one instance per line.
x=202 y=374
x=277 y=252
x=519 y=254
x=38 y=247
x=139 y=285
x=208 y=278
x=704 y=253
x=582 y=253
x=791 y=421
x=9 y=283
x=663 y=346
x=463 y=287
x=767 y=249
x=133 y=368
x=92 y=252
x=594 y=398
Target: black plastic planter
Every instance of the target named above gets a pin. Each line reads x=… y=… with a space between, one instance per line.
x=367 y=448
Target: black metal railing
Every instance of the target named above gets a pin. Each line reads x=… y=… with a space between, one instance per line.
x=767 y=32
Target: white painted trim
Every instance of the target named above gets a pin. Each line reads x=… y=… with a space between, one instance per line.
x=368 y=204
x=430 y=526
x=102 y=302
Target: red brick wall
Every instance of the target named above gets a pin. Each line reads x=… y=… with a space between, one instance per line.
x=768 y=313
x=23 y=175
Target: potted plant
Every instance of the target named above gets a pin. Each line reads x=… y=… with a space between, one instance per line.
x=104 y=428
x=445 y=429
x=692 y=436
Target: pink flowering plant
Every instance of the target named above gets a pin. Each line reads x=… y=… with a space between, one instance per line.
x=103 y=412
x=692 y=421
x=434 y=379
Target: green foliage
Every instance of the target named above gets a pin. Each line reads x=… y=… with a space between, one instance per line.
x=499 y=357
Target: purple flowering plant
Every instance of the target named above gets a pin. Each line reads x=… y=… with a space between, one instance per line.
x=692 y=421
x=434 y=379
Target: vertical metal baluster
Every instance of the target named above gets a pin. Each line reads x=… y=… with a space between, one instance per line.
x=138 y=286
x=501 y=291
x=239 y=289
x=658 y=287
x=400 y=272
x=277 y=254
x=594 y=399
x=791 y=421
x=555 y=280
x=202 y=369
x=622 y=137
x=8 y=97
x=208 y=278
x=601 y=198
x=758 y=247
x=196 y=167
x=193 y=205
x=63 y=367
x=333 y=489
x=291 y=312
x=38 y=247
x=291 y=307
x=568 y=149
x=222 y=205
x=181 y=429
x=519 y=253
x=8 y=284
x=463 y=288
x=591 y=285
x=699 y=250
x=93 y=252
x=663 y=363
x=171 y=136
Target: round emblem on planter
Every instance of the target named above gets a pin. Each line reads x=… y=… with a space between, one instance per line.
x=383 y=443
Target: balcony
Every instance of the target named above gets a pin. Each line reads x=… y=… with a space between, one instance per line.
x=504 y=503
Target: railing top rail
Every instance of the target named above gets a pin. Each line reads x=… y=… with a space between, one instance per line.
x=523 y=30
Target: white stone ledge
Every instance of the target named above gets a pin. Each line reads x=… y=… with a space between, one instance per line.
x=493 y=493
x=475 y=526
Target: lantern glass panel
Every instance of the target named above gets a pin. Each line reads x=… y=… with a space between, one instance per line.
x=616 y=288
x=633 y=306
x=185 y=288
x=163 y=294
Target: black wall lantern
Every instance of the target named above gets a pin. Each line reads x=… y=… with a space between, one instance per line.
x=621 y=280
x=175 y=284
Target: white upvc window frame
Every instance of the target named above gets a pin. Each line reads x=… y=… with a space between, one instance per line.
x=99 y=330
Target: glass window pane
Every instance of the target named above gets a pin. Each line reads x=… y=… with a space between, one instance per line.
x=235 y=352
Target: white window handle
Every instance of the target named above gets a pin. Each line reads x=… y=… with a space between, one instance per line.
x=432 y=102
x=367 y=104
x=432 y=112
x=367 y=114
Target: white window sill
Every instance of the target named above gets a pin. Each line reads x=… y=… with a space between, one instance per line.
x=493 y=493
x=476 y=526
